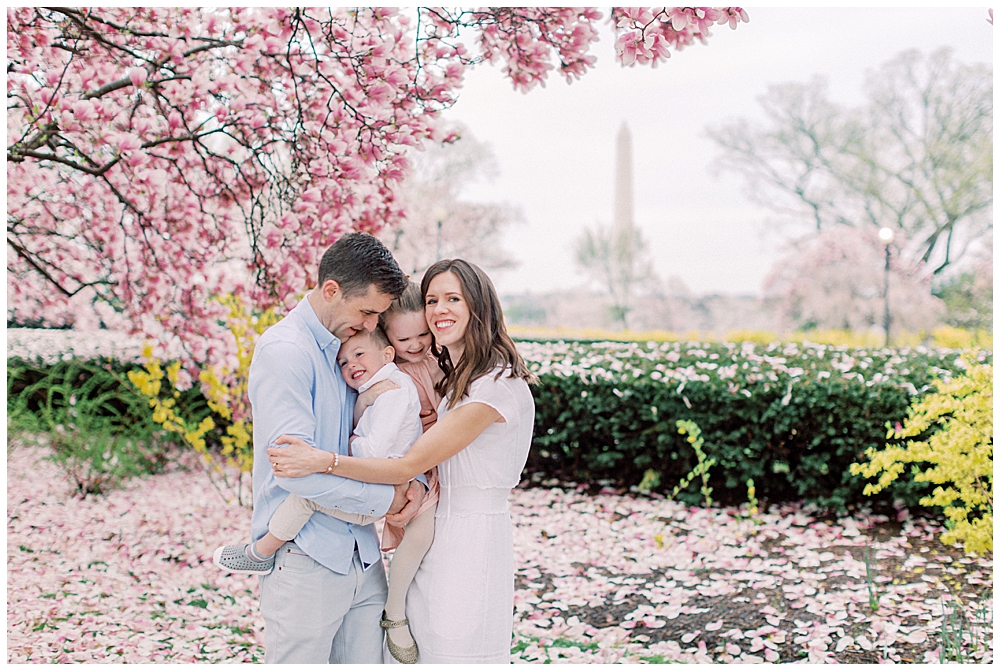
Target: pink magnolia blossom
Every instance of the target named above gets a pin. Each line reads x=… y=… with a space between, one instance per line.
x=647 y=34
x=137 y=76
x=153 y=152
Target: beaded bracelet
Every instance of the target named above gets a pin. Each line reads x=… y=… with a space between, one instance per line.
x=333 y=464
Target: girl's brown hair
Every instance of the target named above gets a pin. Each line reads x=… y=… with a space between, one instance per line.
x=411 y=300
x=487 y=344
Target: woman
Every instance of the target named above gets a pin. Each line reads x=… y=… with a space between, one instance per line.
x=460 y=604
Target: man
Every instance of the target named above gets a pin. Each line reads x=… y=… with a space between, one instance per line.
x=323 y=601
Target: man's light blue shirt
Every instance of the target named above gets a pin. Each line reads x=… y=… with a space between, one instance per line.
x=296 y=388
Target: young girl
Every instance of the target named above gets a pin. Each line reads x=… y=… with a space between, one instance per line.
x=408 y=333
x=405 y=324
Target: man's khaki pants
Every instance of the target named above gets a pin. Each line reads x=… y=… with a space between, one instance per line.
x=315 y=616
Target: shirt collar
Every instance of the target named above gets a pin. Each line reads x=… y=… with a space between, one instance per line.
x=323 y=336
x=382 y=373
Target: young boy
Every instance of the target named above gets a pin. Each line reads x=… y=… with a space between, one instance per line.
x=388 y=428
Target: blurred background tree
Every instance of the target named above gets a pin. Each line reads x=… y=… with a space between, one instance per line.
x=968 y=296
x=439 y=223
x=619 y=260
x=834 y=279
x=916 y=157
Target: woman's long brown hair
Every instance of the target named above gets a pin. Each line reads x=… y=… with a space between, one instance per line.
x=487 y=344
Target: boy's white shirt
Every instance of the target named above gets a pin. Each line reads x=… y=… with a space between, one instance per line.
x=390 y=426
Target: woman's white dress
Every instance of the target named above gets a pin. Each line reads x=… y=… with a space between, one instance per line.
x=461 y=602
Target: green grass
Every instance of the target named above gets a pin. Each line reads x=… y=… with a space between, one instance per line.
x=101 y=430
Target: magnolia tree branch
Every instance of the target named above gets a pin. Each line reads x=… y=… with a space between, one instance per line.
x=180 y=154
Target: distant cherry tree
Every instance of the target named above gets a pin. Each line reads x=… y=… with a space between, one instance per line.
x=440 y=221
x=835 y=279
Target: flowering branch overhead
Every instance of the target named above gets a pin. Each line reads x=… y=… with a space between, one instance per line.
x=647 y=34
x=159 y=157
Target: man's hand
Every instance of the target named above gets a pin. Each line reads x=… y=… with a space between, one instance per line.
x=292 y=457
x=399 y=498
x=415 y=493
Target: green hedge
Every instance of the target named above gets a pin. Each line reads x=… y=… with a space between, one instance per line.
x=792 y=417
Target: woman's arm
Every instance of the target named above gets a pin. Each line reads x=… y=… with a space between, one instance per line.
x=452 y=434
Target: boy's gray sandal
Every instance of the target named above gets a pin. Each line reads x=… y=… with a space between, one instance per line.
x=400 y=654
x=233 y=558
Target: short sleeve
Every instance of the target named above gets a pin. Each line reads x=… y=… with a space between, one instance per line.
x=498 y=394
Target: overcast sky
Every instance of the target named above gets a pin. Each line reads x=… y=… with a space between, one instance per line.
x=555 y=146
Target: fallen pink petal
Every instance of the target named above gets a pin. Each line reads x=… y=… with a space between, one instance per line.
x=128 y=577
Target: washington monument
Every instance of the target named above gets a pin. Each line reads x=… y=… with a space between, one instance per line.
x=624 y=218
x=618 y=259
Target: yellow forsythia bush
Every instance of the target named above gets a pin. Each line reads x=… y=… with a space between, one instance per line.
x=149 y=382
x=958 y=457
x=949 y=336
x=224 y=387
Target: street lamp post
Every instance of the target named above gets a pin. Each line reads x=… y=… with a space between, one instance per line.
x=886 y=236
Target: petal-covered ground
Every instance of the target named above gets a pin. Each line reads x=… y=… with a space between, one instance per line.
x=606 y=578
x=612 y=578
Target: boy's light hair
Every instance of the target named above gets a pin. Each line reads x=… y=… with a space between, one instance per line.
x=378 y=336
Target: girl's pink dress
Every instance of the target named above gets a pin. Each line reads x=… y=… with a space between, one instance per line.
x=423 y=374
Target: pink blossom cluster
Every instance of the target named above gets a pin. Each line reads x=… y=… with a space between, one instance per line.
x=523 y=38
x=646 y=34
x=159 y=157
x=127 y=577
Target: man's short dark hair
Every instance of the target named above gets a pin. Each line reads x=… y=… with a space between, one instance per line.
x=357 y=261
